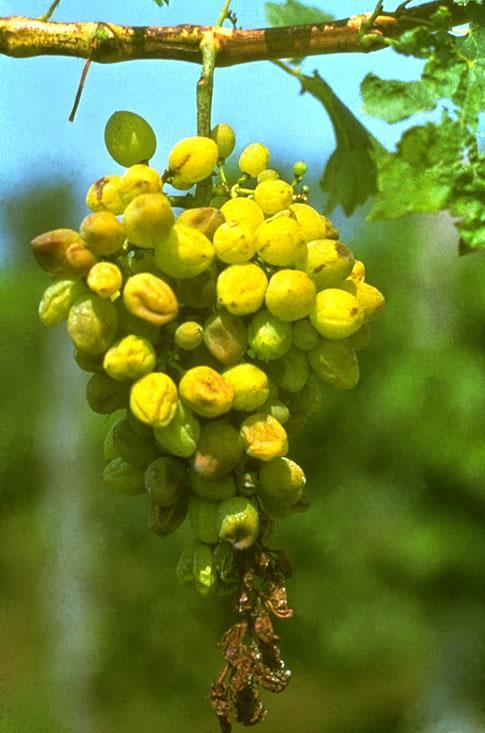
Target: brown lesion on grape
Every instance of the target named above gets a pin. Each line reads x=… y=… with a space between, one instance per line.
x=251 y=646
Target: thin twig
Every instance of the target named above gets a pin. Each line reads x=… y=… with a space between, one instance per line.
x=80 y=88
x=50 y=11
x=223 y=14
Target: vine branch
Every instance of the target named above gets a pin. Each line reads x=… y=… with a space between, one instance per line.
x=109 y=43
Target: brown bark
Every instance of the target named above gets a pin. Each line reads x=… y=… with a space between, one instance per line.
x=109 y=43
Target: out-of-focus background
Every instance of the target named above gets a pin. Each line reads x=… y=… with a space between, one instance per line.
x=95 y=634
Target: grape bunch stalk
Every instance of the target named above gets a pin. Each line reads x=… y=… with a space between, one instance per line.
x=208 y=328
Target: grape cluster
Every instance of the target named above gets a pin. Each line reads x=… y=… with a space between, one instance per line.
x=208 y=331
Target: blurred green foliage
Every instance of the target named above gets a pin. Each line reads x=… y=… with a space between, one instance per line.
x=389 y=633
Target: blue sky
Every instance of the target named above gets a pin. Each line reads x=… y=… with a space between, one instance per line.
x=259 y=100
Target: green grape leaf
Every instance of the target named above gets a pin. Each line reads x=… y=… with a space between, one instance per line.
x=436 y=166
x=292 y=12
x=468 y=2
x=160 y=3
x=394 y=100
x=350 y=175
x=418 y=177
x=466 y=203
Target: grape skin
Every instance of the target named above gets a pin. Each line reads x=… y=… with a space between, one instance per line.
x=129 y=138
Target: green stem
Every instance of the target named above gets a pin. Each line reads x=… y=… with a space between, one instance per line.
x=367 y=26
x=205 y=88
x=205 y=84
x=223 y=14
x=50 y=11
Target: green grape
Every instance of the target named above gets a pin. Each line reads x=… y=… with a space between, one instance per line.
x=226 y=338
x=273 y=195
x=300 y=168
x=198 y=292
x=185 y=252
x=310 y=221
x=238 y=522
x=148 y=219
x=305 y=336
x=165 y=520
x=88 y=363
x=92 y=324
x=150 y=298
x=250 y=385
x=243 y=211
x=263 y=437
x=219 y=450
x=129 y=138
x=104 y=195
x=369 y=298
x=153 y=399
x=130 y=358
x=192 y=160
x=241 y=288
x=104 y=395
x=304 y=404
x=335 y=362
x=269 y=338
x=132 y=325
x=181 y=435
x=61 y=252
x=165 y=480
x=290 y=295
x=203 y=519
x=291 y=372
x=185 y=565
x=336 y=314
x=282 y=509
x=254 y=159
x=102 y=233
x=360 y=339
x=139 y=260
x=326 y=261
x=225 y=139
x=188 y=335
x=123 y=477
x=130 y=446
x=234 y=242
x=268 y=175
x=109 y=450
x=213 y=489
x=206 y=392
x=105 y=279
x=57 y=299
x=280 y=241
x=139 y=179
x=224 y=561
x=204 y=571
x=205 y=218
x=282 y=480
x=276 y=409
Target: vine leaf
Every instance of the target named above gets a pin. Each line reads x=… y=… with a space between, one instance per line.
x=418 y=177
x=292 y=12
x=350 y=176
x=394 y=100
x=436 y=166
x=161 y=3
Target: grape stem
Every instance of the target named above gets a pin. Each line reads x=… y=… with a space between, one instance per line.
x=205 y=88
x=47 y=16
